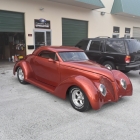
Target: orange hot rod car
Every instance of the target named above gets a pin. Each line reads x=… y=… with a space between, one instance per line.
x=66 y=71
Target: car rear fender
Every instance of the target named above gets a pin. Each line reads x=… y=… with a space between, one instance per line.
x=25 y=67
x=82 y=82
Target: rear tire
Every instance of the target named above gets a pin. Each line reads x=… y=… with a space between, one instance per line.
x=110 y=65
x=21 y=76
x=78 y=99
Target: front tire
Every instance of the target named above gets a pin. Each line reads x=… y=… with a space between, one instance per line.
x=110 y=65
x=21 y=76
x=78 y=99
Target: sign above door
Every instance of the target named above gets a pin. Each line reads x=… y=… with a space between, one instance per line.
x=42 y=23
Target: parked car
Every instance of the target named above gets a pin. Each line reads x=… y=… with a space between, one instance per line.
x=114 y=53
x=66 y=71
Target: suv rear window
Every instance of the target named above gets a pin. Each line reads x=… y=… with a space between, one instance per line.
x=133 y=45
x=115 y=46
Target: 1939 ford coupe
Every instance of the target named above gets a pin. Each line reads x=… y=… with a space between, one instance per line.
x=66 y=71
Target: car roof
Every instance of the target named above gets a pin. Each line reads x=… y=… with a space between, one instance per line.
x=56 y=49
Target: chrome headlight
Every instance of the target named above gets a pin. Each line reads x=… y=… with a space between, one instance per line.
x=102 y=89
x=123 y=83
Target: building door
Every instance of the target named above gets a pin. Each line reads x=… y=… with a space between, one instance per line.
x=136 y=32
x=73 y=31
x=42 y=38
x=11 y=22
x=12 y=34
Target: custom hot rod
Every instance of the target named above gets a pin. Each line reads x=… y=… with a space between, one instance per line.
x=66 y=71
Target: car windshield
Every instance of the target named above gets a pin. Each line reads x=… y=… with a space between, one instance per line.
x=134 y=46
x=73 y=56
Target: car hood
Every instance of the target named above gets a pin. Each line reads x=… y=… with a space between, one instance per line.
x=91 y=67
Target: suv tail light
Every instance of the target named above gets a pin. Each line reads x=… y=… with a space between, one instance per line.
x=127 y=59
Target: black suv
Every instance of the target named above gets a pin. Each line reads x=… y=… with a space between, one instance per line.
x=114 y=53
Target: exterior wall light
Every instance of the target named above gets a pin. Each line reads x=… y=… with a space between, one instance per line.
x=102 y=13
x=41 y=9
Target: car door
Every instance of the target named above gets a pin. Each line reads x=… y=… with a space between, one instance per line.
x=46 y=68
x=94 y=52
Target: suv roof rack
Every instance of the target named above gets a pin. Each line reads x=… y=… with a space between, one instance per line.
x=103 y=37
x=127 y=38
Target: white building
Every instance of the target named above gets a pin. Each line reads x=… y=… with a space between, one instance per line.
x=63 y=22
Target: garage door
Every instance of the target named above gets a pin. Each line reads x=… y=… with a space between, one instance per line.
x=136 y=32
x=11 y=21
x=73 y=31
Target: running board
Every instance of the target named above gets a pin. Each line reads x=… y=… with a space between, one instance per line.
x=41 y=85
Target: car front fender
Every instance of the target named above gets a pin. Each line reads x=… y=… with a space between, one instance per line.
x=82 y=82
x=25 y=67
x=118 y=76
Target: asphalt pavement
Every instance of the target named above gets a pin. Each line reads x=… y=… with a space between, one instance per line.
x=30 y=113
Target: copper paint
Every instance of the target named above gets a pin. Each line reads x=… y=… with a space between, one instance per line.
x=57 y=77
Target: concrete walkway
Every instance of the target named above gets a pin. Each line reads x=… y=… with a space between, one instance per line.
x=6 y=64
x=29 y=113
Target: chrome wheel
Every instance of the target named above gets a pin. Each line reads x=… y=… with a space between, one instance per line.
x=20 y=74
x=77 y=97
x=108 y=66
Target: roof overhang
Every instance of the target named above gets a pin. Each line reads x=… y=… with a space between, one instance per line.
x=88 y=4
x=127 y=8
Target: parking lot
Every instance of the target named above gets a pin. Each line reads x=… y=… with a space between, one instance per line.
x=27 y=112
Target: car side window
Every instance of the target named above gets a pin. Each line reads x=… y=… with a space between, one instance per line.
x=95 y=46
x=116 y=46
x=82 y=44
x=48 y=54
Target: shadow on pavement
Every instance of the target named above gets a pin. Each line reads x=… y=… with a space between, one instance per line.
x=134 y=74
x=6 y=65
